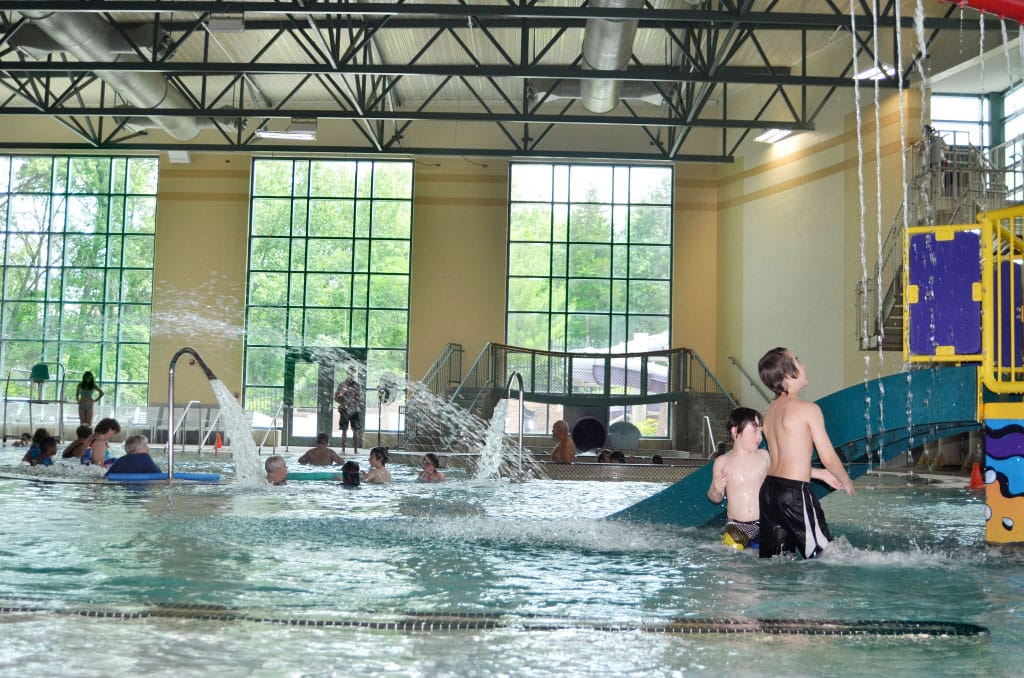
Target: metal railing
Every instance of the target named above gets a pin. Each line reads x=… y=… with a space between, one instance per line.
x=750 y=380
x=949 y=182
x=446 y=371
x=1002 y=248
x=598 y=379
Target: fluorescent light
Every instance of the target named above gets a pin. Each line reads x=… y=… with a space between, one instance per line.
x=298 y=130
x=179 y=157
x=770 y=136
x=226 y=23
x=880 y=72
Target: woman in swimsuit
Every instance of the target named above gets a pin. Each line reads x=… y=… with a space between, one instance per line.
x=87 y=393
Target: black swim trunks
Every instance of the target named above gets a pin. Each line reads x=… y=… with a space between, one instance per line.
x=791 y=519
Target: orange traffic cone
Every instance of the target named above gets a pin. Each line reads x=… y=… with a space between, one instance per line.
x=976 y=480
x=219 y=443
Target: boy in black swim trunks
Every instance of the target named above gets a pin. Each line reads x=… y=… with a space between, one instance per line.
x=738 y=474
x=791 y=517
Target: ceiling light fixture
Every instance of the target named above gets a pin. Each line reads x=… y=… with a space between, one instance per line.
x=879 y=72
x=771 y=136
x=300 y=129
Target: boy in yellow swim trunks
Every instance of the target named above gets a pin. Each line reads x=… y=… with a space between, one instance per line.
x=738 y=474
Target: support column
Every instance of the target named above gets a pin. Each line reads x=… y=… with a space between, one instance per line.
x=1004 y=472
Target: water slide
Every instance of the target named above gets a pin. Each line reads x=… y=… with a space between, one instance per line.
x=894 y=414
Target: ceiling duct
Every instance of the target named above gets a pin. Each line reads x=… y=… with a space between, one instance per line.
x=634 y=90
x=607 y=46
x=89 y=38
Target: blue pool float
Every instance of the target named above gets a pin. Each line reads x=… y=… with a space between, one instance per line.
x=153 y=477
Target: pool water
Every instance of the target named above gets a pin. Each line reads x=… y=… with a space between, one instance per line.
x=234 y=582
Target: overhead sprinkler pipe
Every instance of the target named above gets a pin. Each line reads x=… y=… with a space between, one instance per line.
x=508 y=394
x=1004 y=9
x=170 y=401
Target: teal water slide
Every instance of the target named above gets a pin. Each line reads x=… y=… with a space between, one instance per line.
x=888 y=415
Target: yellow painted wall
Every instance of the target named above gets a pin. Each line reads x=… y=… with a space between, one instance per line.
x=695 y=266
x=199 y=273
x=460 y=217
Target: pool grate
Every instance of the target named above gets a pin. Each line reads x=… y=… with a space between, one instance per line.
x=463 y=622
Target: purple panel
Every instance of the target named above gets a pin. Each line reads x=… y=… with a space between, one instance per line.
x=945 y=314
x=1010 y=326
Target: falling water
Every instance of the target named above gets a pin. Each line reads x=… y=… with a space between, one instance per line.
x=861 y=210
x=492 y=453
x=248 y=465
x=879 y=254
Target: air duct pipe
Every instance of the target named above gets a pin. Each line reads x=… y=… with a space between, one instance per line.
x=89 y=38
x=607 y=46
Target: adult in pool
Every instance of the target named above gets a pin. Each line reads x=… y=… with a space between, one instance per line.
x=565 y=448
x=738 y=475
x=791 y=517
x=136 y=458
x=277 y=470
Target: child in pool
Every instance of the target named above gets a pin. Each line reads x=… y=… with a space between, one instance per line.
x=43 y=449
x=377 y=474
x=738 y=474
x=350 y=474
x=97 y=447
x=430 y=474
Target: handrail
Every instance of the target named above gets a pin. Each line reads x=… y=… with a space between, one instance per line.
x=711 y=436
x=757 y=387
x=274 y=427
x=447 y=365
x=714 y=380
x=181 y=421
x=522 y=413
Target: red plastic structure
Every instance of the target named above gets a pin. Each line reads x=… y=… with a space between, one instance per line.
x=1004 y=9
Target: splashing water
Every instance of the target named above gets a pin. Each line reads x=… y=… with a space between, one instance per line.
x=248 y=465
x=491 y=455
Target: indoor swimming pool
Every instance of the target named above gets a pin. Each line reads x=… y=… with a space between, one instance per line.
x=483 y=578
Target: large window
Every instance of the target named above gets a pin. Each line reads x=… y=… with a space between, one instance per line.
x=590 y=270
x=328 y=267
x=590 y=256
x=961 y=119
x=76 y=234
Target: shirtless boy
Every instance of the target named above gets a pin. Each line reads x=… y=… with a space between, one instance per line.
x=321 y=455
x=791 y=517
x=738 y=474
x=565 y=448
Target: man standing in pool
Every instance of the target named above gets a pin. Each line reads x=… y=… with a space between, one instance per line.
x=739 y=474
x=791 y=517
x=565 y=448
x=349 y=397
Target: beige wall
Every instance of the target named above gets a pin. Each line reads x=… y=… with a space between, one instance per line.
x=199 y=273
x=460 y=220
x=792 y=241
